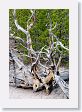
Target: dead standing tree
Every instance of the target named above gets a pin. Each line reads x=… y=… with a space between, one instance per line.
x=29 y=26
x=34 y=75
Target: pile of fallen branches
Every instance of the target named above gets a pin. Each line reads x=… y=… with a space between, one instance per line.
x=39 y=75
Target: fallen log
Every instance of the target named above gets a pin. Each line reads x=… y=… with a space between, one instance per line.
x=25 y=79
x=22 y=73
x=64 y=86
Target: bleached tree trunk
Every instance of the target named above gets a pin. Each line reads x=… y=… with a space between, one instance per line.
x=29 y=26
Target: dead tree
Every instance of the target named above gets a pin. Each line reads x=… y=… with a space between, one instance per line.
x=26 y=31
x=58 y=79
x=40 y=74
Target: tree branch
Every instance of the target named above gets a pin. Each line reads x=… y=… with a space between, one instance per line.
x=17 y=25
x=58 y=64
x=15 y=37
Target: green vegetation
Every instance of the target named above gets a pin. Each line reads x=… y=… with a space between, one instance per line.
x=39 y=32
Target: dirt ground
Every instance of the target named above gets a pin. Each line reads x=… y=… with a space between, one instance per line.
x=20 y=93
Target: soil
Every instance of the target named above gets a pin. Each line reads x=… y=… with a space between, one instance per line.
x=20 y=93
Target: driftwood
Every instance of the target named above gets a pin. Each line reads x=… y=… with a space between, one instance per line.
x=26 y=79
x=39 y=75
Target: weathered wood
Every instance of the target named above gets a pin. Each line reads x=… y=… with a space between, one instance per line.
x=64 y=86
x=39 y=75
x=29 y=26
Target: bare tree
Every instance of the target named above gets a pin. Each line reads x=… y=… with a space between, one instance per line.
x=39 y=74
